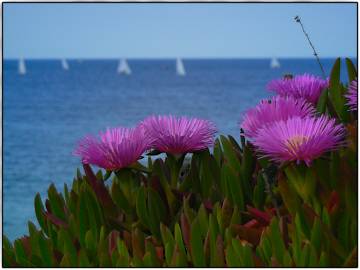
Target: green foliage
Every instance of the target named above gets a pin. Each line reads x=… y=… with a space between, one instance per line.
x=211 y=210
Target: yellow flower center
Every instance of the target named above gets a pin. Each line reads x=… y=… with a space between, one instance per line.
x=295 y=142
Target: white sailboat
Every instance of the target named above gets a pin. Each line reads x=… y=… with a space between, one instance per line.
x=274 y=63
x=64 y=64
x=180 y=69
x=123 y=67
x=22 y=67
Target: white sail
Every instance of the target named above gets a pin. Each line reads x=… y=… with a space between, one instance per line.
x=274 y=63
x=64 y=64
x=123 y=67
x=180 y=69
x=22 y=67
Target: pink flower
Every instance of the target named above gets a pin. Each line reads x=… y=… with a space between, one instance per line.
x=116 y=149
x=179 y=135
x=269 y=111
x=304 y=86
x=352 y=96
x=299 y=139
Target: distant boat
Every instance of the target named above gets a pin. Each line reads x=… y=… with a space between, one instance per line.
x=22 y=67
x=64 y=64
x=123 y=67
x=274 y=63
x=180 y=69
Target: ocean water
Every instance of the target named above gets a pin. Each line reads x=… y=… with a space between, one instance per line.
x=48 y=110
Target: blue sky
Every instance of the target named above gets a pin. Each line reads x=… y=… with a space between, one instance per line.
x=150 y=30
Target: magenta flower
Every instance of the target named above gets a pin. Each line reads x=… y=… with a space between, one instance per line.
x=116 y=149
x=179 y=135
x=352 y=96
x=299 y=139
x=269 y=111
x=308 y=87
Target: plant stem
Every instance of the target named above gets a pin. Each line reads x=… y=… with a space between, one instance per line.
x=298 y=20
x=176 y=162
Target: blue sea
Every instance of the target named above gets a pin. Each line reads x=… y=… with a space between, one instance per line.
x=46 y=111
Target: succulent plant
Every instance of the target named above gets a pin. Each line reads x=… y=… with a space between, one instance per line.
x=227 y=207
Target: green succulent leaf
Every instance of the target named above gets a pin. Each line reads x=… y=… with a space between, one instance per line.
x=336 y=91
x=56 y=202
x=218 y=155
x=83 y=219
x=39 y=211
x=156 y=211
x=179 y=258
x=20 y=254
x=233 y=186
x=247 y=166
x=45 y=251
x=232 y=259
x=259 y=195
x=196 y=241
x=244 y=253
x=69 y=248
x=119 y=198
x=323 y=99
x=179 y=240
x=230 y=155
x=278 y=246
x=141 y=208
x=316 y=235
x=351 y=70
x=323 y=261
x=169 y=251
x=83 y=259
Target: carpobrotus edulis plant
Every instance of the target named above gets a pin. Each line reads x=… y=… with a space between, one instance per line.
x=273 y=110
x=306 y=86
x=299 y=139
x=117 y=148
x=173 y=135
x=294 y=206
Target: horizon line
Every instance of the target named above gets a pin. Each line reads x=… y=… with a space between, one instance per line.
x=173 y=57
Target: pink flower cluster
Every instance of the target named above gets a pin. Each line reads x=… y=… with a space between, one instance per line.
x=283 y=128
x=286 y=127
x=120 y=147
